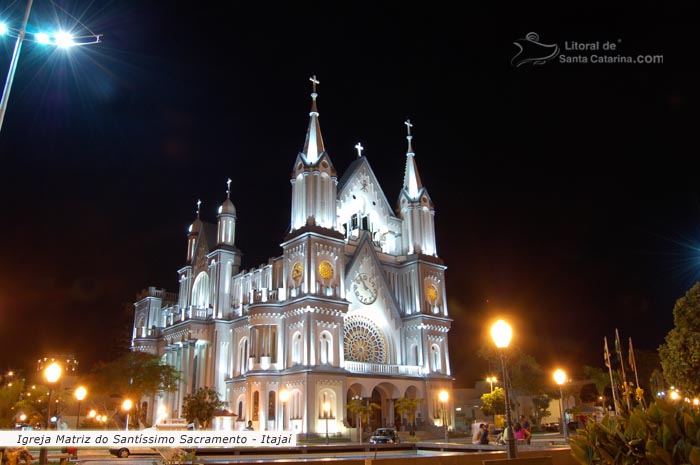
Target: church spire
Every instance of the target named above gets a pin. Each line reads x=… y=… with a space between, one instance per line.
x=193 y=233
x=226 y=219
x=411 y=181
x=313 y=146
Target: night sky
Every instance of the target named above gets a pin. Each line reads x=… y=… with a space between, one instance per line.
x=567 y=195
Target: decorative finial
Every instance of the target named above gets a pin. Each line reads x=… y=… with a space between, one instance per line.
x=315 y=82
x=409 y=136
x=359 y=148
x=199 y=203
x=228 y=188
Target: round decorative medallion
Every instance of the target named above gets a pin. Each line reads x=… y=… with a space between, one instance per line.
x=297 y=271
x=364 y=342
x=325 y=270
x=431 y=292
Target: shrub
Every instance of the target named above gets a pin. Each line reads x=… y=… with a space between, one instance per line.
x=666 y=433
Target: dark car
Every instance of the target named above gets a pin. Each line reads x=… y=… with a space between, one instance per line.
x=384 y=436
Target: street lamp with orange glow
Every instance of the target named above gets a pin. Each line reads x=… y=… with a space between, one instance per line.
x=443 y=396
x=326 y=414
x=52 y=374
x=284 y=397
x=560 y=379
x=502 y=333
x=80 y=394
x=126 y=406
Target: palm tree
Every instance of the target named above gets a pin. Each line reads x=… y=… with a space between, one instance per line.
x=409 y=407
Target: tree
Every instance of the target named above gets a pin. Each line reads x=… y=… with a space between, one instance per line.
x=363 y=410
x=524 y=371
x=408 y=406
x=133 y=376
x=541 y=405
x=494 y=403
x=202 y=405
x=680 y=354
x=9 y=397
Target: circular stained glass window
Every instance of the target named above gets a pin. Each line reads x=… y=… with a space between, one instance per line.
x=325 y=270
x=364 y=342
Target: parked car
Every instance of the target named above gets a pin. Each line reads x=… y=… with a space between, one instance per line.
x=384 y=436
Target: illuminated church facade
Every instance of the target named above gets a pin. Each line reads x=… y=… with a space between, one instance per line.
x=355 y=306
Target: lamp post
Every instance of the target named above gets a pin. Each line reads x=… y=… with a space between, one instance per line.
x=126 y=406
x=358 y=401
x=491 y=380
x=443 y=396
x=501 y=333
x=62 y=39
x=52 y=373
x=284 y=397
x=80 y=394
x=560 y=379
x=326 y=411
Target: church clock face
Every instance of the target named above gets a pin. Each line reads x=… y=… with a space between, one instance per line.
x=297 y=271
x=365 y=288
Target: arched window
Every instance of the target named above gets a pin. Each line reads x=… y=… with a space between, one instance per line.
x=241 y=416
x=435 y=358
x=243 y=356
x=296 y=348
x=271 y=405
x=295 y=405
x=200 y=291
x=325 y=348
x=413 y=355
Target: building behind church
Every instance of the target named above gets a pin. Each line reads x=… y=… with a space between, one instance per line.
x=355 y=305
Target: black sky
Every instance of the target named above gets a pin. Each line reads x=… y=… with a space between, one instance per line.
x=566 y=195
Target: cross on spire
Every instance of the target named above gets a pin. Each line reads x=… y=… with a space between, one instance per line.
x=199 y=203
x=314 y=83
x=359 y=148
x=408 y=126
x=228 y=188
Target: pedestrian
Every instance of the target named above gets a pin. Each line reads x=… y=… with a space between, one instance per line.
x=528 y=427
x=484 y=438
x=250 y=426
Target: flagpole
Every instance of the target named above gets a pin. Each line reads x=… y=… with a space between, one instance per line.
x=612 y=381
x=633 y=364
x=625 y=390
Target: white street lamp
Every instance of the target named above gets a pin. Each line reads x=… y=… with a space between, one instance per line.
x=62 y=39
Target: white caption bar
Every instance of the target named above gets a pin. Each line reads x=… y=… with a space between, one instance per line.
x=147 y=438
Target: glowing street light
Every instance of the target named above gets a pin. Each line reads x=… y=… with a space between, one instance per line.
x=62 y=39
x=284 y=397
x=126 y=406
x=80 y=394
x=443 y=397
x=502 y=333
x=491 y=380
x=52 y=374
x=326 y=414
x=560 y=379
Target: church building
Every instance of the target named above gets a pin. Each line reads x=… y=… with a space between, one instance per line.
x=353 y=308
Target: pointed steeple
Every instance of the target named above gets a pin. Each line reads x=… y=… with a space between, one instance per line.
x=313 y=146
x=193 y=232
x=412 y=184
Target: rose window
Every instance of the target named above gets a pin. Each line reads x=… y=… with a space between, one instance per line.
x=364 y=342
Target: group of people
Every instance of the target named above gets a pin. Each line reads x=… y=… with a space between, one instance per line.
x=521 y=432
